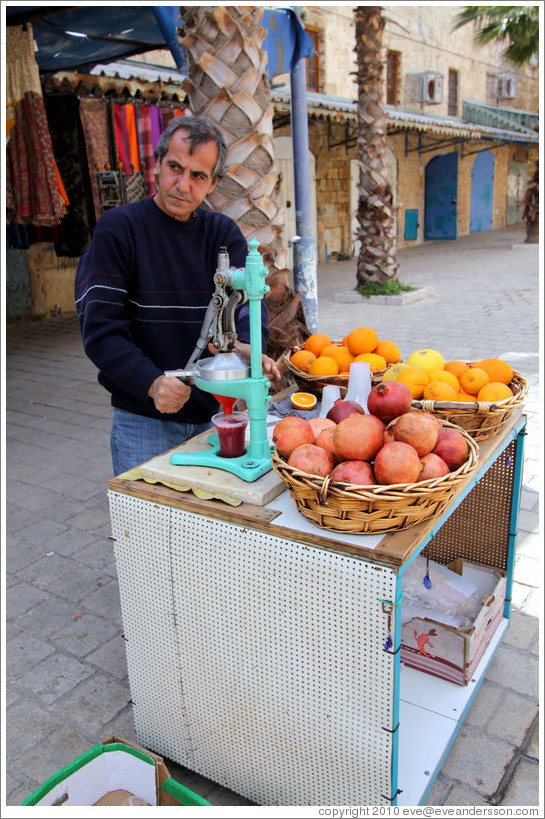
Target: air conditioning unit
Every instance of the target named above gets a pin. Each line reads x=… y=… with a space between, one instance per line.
x=431 y=88
x=506 y=88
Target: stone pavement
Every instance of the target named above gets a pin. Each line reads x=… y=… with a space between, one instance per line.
x=66 y=683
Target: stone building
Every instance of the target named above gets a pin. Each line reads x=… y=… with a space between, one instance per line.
x=456 y=117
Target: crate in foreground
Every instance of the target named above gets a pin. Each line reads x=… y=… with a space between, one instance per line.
x=113 y=773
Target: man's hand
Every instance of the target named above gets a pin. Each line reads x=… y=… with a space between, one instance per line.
x=268 y=364
x=169 y=394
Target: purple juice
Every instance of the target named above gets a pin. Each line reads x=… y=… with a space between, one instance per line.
x=231 y=429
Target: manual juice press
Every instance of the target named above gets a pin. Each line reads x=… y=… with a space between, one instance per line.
x=229 y=376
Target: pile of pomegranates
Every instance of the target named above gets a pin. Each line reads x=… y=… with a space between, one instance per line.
x=392 y=444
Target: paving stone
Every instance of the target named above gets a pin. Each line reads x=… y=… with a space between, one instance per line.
x=478 y=760
x=111 y=657
x=94 y=703
x=532 y=749
x=24 y=650
x=513 y=719
x=47 y=617
x=523 y=788
x=19 y=553
x=82 y=582
x=99 y=555
x=54 y=676
x=105 y=601
x=27 y=725
x=529 y=544
x=17 y=791
x=52 y=753
x=439 y=791
x=21 y=597
x=464 y=796
x=528 y=521
x=41 y=530
x=69 y=542
x=522 y=631
x=19 y=519
x=80 y=637
x=31 y=498
x=122 y=725
x=485 y=704
x=526 y=569
x=515 y=670
x=44 y=572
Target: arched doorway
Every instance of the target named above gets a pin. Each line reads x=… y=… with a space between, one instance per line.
x=441 y=195
x=482 y=189
x=283 y=151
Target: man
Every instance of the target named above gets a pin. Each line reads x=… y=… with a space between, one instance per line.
x=142 y=289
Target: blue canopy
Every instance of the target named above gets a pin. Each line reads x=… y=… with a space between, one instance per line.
x=77 y=38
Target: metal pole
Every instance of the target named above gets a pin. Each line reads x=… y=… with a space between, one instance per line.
x=304 y=244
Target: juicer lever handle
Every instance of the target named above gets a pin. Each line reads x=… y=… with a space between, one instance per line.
x=183 y=375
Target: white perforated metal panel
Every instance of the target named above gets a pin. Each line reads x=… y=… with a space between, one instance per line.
x=256 y=661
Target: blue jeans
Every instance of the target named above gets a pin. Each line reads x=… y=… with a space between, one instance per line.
x=136 y=439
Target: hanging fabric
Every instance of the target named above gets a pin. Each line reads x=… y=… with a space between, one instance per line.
x=94 y=122
x=32 y=190
x=156 y=125
x=132 y=134
x=122 y=137
x=147 y=148
x=70 y=152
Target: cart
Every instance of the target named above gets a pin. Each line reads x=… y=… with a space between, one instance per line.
x=264 y=652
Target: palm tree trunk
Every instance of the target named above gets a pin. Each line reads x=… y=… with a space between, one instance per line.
x=377 y=260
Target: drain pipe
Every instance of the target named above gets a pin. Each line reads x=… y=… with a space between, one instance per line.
x=304 y=244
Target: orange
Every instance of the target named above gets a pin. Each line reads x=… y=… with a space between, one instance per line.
x=362 y=340
x=376 y=362
x=316 y=342
x=323 y=365
x=464 y=396
x=303 y=400
x=473 y=379
x=439 y=391
x=340 y=354
x=344 y=342
x=494 y=391
x=416 y=378
x=448 y=378
x=301 y=359
x=456 y=367
x=388 y=350
x=496 y=369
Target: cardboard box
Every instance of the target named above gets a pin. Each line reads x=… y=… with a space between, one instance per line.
x=453 y=653
x=114 y=773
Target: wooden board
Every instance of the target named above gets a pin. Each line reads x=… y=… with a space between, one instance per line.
x=217 y=482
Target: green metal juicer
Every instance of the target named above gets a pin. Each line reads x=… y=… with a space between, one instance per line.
x=227 y=375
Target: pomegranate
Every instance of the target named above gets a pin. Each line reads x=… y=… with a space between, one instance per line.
x=357 y=472
x=419 y=429
x=433 y=467
x=318 y=424
x=325 y=440
x=389 y=433
x=452 y=447
x=357 y=438
x=312 y=459
x=342 y=409
x=397 y=463
x=389 y=399
x=291 y=431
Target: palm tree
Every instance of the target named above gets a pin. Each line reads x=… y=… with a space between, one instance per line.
x=518 y=26
x=228 y=82
x=377 y=260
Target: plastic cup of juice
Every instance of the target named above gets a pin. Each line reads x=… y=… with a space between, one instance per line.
x=231 y=431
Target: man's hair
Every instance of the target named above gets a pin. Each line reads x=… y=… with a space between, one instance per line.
x=199 y=130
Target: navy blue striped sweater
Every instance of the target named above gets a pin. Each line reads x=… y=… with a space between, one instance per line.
x=142 y=289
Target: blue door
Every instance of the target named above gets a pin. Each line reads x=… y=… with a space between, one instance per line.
x=482 y=187
x=441 y=195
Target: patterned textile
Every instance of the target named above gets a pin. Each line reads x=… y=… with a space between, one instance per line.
x=69 y=147
x=156 y=125
x=94 y=121
x=32 y=192
x=147 y=148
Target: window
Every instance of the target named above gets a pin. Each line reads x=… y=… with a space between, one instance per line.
x=452 y=93
x=314 y=71
x=392 y=77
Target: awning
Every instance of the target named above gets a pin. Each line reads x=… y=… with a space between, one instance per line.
x=342 y=109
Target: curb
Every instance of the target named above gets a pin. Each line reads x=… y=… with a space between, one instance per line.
x=392 y=301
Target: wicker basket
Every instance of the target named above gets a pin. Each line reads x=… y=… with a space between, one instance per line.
x=342 y=507
x=481 y=419
x=316 y=383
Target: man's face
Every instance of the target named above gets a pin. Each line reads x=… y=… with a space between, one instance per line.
x=184 y=179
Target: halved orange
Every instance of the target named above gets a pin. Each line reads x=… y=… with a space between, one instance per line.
x=303 y=400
